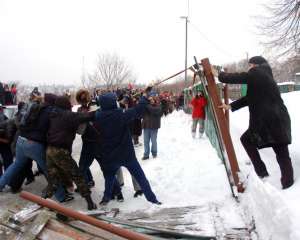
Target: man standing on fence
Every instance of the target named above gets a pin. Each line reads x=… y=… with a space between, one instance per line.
x=198 y=104
x=269 y=124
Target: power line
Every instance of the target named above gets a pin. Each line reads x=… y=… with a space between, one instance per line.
x=211 y=42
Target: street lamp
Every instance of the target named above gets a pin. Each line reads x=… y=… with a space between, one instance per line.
x=186 y=40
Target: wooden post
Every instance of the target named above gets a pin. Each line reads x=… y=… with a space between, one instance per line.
x=79 y=216
x=226 y=101
x=194 y=78
x=222 y=123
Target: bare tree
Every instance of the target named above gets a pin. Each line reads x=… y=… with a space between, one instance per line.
x=111 y=71
x=281 y=26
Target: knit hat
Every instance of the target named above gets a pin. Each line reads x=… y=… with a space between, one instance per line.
x=63 y=102
x=257 y=60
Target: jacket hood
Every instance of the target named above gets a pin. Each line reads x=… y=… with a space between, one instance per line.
x=108 y=101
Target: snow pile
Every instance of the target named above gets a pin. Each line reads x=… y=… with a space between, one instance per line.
x=276 y=211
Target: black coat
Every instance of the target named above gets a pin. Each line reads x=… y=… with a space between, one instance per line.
x=63 y=125
x=269 y=122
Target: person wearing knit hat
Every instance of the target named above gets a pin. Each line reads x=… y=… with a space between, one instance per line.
x=258 y=60
x=270 y=124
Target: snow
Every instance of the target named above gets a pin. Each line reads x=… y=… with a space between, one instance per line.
x=286 y=83
x=276 y=211
x=187 y=172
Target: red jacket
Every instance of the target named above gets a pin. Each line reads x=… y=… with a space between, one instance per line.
x=198 y=107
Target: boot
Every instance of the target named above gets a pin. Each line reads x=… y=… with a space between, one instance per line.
x=104 y=202
x=138 y=193
x=120 y=197
x=90 y=204
x=157 y=202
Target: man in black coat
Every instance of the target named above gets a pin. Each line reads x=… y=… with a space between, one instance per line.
x=269 y=124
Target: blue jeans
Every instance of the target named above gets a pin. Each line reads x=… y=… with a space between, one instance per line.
x=25 y=150
x=150 y=134
x=137 y=172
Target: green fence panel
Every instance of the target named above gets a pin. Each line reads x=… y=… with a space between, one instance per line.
x=210 y=125
x=243 y=90
x=297 y=87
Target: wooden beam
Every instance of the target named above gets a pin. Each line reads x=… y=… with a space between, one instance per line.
x=76 y=215
x=222 y=123
x=36 y=227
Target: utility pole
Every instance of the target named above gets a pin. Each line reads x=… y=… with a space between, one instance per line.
x=186 y=42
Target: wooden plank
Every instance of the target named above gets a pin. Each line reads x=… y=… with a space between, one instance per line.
x=67 y=230
x=5 y=221
x=98 y=232
x=7 y=233
x=222 y=124
x=36 y=226
x=26 y=214
x=158 y=230
x=48 y=234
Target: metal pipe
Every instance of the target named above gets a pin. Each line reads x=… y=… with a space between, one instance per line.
x=84 y=218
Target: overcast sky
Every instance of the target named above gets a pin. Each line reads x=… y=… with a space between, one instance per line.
x=44 y=41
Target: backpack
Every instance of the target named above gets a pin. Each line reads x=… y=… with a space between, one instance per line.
x=29 y=115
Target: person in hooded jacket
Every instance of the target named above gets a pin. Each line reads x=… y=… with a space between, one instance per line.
x=117 y=148
x=198 y=104
x=62 y=168
x=269 y=124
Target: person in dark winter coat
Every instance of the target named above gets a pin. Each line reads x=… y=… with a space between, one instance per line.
x=7 y=132
x=62 y=168
x=117 y=148
x=89 y=136
x=2 y=94
x=31 y=144
x=269 y=124
x=151 y=124
x=26 y=173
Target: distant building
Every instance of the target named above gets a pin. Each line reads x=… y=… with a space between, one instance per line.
x=297 y=78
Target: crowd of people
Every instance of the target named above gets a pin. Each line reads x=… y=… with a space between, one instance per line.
x=110 y=124
x=8 y=94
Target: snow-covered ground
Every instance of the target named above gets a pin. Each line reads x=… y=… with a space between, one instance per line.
x=276 y=211
x=187 y=172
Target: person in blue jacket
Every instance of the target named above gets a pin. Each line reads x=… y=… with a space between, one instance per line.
x=117 y=148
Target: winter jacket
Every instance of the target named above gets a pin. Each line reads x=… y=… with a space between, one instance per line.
x=63 y=125
x=135 y=126
x=90 y=134
x=117 y=146
x=151 y=118
x=181 y=101
x=39 y=132
x=269 y=122
x=198 y=107
x=8 y=129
